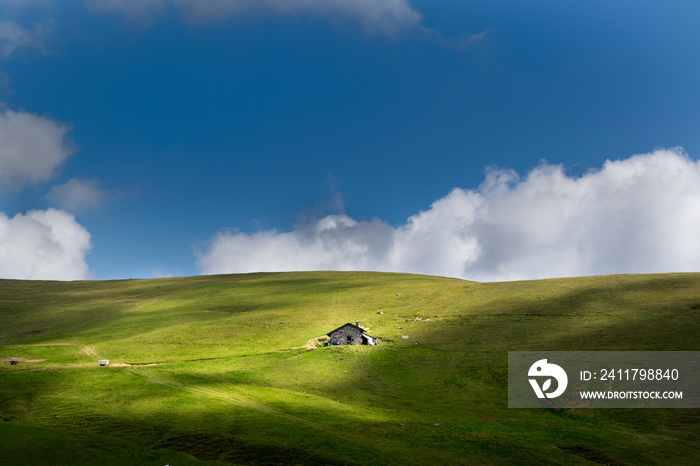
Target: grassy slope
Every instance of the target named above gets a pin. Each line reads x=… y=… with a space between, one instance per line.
x=262 y=402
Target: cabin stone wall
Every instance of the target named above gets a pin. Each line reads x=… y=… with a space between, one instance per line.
x=346 y=335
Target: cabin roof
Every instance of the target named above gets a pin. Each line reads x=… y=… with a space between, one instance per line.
x=345 y=325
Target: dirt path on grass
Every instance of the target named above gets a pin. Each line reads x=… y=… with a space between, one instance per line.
x=90 y=351
x=225 y=396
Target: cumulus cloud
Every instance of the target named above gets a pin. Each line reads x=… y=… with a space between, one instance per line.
x=376 y=16
x=14 y=38
x=636 y=215
x=335 y=242
x=43 y=245
x=32 y=148
x=77 y=195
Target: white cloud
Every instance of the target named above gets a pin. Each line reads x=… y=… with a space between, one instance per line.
x=77 y=195
x=637 y=215
x=32 y=148
x=43 y=245
x=376 y=16
x=335 y=242
x=13 y=37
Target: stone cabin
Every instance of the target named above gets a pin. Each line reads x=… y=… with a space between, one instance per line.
x=350 y=334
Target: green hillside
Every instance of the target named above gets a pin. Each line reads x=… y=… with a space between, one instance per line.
x=212 y=370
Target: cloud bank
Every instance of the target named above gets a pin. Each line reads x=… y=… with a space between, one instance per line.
x=636 y=215
x=43 y=245
x=376 y=16
x=32 y=148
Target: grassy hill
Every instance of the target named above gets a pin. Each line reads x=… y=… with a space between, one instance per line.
x=211 y=370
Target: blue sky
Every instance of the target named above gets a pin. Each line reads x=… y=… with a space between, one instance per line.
x=489 y=140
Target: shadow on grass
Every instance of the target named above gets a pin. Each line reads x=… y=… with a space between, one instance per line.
x=458 y=370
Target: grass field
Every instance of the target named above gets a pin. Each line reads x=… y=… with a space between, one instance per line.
x=211 y=370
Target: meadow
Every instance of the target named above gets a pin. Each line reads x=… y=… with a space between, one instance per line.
x=214 y=370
